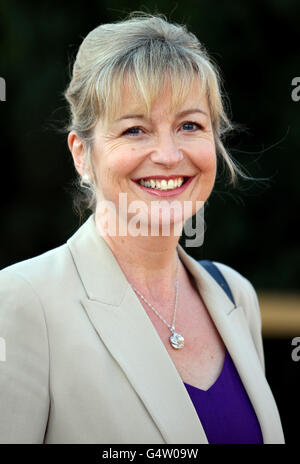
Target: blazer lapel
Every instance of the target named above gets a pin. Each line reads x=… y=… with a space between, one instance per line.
x=124 y=327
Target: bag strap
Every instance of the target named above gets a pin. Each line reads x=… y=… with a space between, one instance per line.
x=218 y=276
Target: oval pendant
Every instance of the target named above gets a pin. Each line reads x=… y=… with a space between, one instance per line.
x=176 y=340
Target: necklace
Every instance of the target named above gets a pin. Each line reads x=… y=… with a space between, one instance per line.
x=176 y=340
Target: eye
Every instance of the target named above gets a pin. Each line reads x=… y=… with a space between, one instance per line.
x=191 y=126
x=132 y=131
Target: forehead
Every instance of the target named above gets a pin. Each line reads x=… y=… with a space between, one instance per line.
x=132 y=102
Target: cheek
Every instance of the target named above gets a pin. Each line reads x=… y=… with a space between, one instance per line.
x=129 y=160
x=123 y=161
x=205 y=157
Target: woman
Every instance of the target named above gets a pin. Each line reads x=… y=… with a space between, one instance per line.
x=119 y=336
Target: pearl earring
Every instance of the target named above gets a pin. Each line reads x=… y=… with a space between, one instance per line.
x=86 y=178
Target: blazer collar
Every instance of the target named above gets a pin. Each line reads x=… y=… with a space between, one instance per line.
x=126 y=330
x=104 y=280
x=97 y=266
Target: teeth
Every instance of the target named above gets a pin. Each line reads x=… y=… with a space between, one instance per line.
x=163 y=184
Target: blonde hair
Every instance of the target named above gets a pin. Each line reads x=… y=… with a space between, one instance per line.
x=149 y=51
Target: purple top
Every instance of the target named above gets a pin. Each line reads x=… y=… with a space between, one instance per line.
x=225 y=411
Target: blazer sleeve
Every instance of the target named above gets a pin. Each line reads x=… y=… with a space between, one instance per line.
x=24 y=365
x=245 y=296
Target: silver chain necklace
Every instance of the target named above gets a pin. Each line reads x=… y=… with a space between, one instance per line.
x=176 y=340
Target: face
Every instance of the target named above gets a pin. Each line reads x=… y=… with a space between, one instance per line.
x=172 y=153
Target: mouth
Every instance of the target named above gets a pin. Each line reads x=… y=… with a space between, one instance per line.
x=164 y=185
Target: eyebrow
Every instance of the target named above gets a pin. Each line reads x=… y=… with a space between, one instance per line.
x=178 y=115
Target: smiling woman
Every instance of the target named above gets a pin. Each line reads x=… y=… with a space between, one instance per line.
x=124 y=338
x=138 y=155
x=112 y=70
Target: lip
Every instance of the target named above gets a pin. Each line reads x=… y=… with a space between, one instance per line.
x=165 y=193
x=173 y=176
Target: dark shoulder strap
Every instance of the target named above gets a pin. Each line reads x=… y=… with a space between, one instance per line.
x=218 y=276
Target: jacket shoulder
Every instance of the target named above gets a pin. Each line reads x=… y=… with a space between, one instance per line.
x=241 y=287
x=40 y=267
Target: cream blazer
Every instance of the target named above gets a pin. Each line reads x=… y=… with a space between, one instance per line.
x=84 y=363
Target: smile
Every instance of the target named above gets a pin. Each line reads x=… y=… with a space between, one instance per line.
x=164 y=186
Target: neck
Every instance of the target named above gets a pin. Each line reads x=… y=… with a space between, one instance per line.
x=149 y=263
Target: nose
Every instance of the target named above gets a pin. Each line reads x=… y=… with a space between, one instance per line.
x=166 y=152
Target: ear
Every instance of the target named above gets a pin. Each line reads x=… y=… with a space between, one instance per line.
x=76 y=148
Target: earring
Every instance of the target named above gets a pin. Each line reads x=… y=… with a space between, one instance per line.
x=85 y=178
